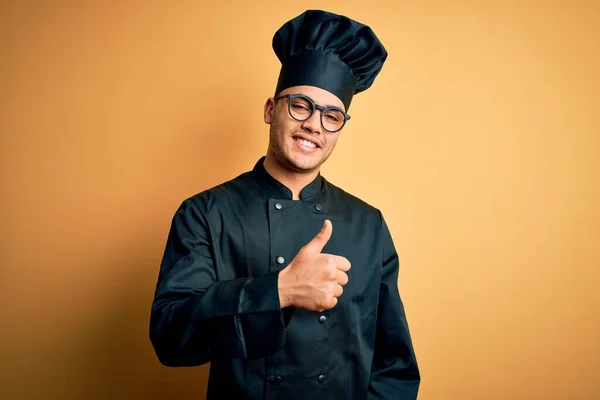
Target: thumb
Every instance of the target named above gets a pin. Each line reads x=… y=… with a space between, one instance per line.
x=318 y=242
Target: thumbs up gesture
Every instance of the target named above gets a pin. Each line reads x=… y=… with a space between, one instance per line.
x=314 y=280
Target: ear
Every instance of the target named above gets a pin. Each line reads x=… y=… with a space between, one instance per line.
x=269 y=110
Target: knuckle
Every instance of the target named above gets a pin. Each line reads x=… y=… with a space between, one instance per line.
x=328 y=272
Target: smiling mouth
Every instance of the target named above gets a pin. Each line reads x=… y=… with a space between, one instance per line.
x=306 y=143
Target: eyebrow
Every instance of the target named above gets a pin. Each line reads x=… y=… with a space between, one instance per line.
x=326 y=105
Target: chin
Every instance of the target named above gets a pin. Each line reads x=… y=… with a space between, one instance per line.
x=302 y=164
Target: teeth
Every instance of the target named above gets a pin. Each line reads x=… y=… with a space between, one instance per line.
x=306 y=143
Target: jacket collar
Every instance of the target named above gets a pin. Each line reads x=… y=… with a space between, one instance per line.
x=276 y=189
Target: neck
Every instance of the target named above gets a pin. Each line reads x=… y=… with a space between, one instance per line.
x=293 y=180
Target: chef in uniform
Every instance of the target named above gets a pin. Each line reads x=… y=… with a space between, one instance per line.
x=285 y=283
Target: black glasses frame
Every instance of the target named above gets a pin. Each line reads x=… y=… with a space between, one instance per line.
x=315 y=106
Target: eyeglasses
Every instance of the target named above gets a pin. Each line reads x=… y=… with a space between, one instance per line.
x=301 y=108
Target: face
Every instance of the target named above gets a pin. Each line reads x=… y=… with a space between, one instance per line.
x=300 y=146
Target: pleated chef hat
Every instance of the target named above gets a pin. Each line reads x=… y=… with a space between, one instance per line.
x=330 y=51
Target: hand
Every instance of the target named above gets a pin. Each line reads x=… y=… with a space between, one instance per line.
x=313 y=280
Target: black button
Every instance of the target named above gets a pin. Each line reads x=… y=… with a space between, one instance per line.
x=277 y=380
x=322 y=319
x=280 y=260
x=318 y=207
x=278 y=206
x=321 y=378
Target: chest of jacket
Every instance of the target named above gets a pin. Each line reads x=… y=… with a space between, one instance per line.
x=323 y=351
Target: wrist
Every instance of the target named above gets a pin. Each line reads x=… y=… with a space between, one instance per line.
x=283 y=287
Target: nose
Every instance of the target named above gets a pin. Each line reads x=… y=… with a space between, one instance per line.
x=313 y=124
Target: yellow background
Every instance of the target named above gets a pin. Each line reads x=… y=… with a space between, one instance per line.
x=480 y=142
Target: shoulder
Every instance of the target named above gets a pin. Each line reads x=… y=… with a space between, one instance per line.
x=350 y=202
x=203 y=201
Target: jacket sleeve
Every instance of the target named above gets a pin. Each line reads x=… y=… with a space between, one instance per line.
x=196 y=317
x=394 y=372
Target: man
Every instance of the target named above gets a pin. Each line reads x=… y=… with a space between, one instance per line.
x=285 y=283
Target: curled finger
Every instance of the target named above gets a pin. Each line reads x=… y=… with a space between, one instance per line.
x=342 y=278
x=339 y=290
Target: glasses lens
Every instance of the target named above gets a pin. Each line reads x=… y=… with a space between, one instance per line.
x=300 y=108
x=333 y=120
